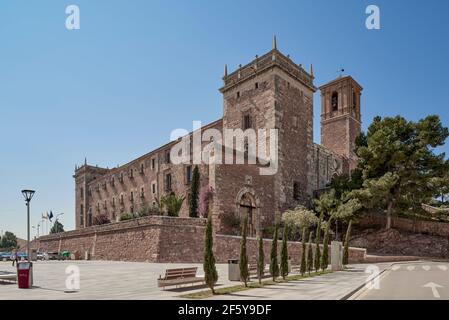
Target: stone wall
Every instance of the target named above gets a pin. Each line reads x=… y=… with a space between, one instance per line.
x=160 y=239
x=409 y=225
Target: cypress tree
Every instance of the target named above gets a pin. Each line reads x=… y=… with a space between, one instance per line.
x=194 y=191
x=261 y=261
x=274 y=267
x=303 y=253
x=317 y=261
x=244 y=272
x=346 y=248
x=310 y=255
x=284 y=253
x=325 y=255
x=210 y=271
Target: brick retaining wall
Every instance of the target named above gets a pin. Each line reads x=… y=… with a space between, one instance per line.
x=161 y=239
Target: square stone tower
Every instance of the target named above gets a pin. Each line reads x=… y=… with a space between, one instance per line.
x=270 y=92
x=341 y=117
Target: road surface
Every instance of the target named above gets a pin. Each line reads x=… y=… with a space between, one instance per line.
x=410 y=281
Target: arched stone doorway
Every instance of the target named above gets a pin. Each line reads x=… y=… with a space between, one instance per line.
x=247 y=204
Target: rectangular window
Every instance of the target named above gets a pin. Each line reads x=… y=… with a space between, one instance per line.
x=142 y=192
x=296 y=191
x=257 y=85
x=153 y=164
x=246 y=121
x=153 y=187
x=132 y=196
x=82 y=193
x=142 y=168
x=167 y=157
x=168 y=182
x=82 y=215
x=238 y=94
x=188 y=174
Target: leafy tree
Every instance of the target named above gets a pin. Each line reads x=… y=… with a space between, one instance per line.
x=210 y=271
x=303 y=267
x=346 y=247
x=8 y=241
x=284 y=253
x=398 y=159
x=274 y=266
x=299 y=218
x=441 y=187
x=347 y=182
x=310 y=254
x=244 y=271
x=58 y=227
x=327 y=203
x=317 y=261
x=173 y=204
x=261 y=261
x=325 y=255
x=194 y=191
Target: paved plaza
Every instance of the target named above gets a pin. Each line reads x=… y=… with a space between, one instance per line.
x=138 y=281
x=102 y=280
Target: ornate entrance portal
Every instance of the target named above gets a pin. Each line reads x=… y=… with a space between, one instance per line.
x=247 y=205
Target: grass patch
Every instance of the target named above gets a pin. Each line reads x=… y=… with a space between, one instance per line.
x=251 y=285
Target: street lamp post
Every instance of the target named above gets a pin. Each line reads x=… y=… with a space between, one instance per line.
x=28 y=195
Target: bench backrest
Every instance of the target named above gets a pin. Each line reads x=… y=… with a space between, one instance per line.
x=180 y=273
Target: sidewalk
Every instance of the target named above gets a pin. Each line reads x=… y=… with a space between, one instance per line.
x=332 y=286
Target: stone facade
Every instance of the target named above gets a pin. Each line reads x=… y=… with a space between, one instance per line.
x=151 y=239
x=271 y=92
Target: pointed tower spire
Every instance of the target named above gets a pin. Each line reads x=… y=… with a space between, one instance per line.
x=275 y=45
x=226 y=70
x=311 y=70
x=85 y=161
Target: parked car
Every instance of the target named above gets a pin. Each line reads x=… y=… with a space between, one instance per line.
x=42 y=256
x=22 y=255
x=53 y=255
x=5 y=256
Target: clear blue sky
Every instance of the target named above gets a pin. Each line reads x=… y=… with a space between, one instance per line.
x=138 y=69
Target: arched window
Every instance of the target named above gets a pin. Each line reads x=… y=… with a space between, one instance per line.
x=334 y=101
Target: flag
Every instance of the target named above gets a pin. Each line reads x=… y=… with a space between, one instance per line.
x=50 y=216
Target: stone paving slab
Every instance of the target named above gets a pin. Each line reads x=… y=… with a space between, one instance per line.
x=102 y=280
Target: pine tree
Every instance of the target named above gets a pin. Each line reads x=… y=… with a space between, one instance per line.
x=274 y=267
x=310 y=255
x=317 y=261
x=194 y=191
x=244 y=272
x=284 y=253
x=261 y=261
x=303 y=253
x=325 y=255
x=210 y=271
x=346 y=248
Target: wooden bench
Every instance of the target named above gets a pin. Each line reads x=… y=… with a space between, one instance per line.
x=8 y=276
x=175 y=277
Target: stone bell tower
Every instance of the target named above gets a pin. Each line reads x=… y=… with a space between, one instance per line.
x=341 y=117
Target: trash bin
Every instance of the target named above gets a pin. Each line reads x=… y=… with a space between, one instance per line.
x=25 y=274
x=233 y=270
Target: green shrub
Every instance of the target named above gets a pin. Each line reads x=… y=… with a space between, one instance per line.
x=126 y=216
